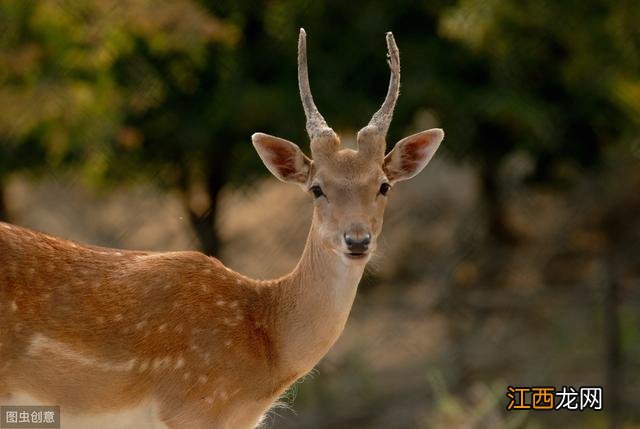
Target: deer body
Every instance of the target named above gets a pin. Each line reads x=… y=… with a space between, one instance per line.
x=95 y=329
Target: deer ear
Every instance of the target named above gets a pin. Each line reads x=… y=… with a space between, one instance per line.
x=284 y=159
x=412 y=154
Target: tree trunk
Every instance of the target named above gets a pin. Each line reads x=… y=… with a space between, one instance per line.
x=4 y=216
x=495 y=211
x=204 y=222
x=613 y=346
x=204 y=225
x=500 y=236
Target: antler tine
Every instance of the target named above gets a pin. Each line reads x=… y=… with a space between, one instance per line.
x=380 y=121
x=382 y=118
x=316 y=125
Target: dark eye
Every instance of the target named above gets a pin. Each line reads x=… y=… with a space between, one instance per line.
x=384 y=188
x=317 y=191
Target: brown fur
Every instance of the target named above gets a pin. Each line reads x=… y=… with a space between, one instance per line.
x=163 y=325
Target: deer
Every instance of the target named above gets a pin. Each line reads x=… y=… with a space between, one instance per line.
x=94 y=329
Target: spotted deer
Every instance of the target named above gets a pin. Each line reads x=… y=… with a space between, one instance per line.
x=95 y=329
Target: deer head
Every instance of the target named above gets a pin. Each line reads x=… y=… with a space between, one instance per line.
x=350 y=187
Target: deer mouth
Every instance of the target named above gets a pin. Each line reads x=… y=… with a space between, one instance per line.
x=356 y=255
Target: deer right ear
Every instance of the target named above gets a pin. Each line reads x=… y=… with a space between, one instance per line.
x=284 y=159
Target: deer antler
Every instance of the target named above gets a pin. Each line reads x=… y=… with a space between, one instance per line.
x=319 y=132
x=378 y=126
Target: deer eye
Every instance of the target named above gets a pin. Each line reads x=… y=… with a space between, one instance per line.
x=384 y=188
x=317 y=191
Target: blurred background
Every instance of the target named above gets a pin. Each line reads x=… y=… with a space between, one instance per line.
x=514 y=259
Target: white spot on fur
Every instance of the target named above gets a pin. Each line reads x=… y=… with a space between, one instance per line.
x=162 y=327
x=131 y=364
x=227 y=343
x=178 y=327
x=186 y=375
x=14 y=306
x=141 y=325
x=156 y=363
x=41 y=344
x=208 y=400
x=118 y=317
x=221 y=302
x=179 y=362
x=233 y=304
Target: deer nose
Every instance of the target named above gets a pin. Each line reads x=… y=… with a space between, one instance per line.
x=357 y=243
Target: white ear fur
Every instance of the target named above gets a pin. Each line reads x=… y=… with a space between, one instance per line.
x=284 y=159
x=412 y=154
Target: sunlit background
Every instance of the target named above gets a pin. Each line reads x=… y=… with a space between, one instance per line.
x=514 y=259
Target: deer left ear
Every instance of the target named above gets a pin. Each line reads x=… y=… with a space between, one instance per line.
x=412 y=154
x=284 y=159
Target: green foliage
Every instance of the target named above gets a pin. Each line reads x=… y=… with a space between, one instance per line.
x=555 y=73
x=173 y=90
x=73 y=73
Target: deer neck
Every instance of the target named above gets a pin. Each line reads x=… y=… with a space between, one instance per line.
x=314 y=303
